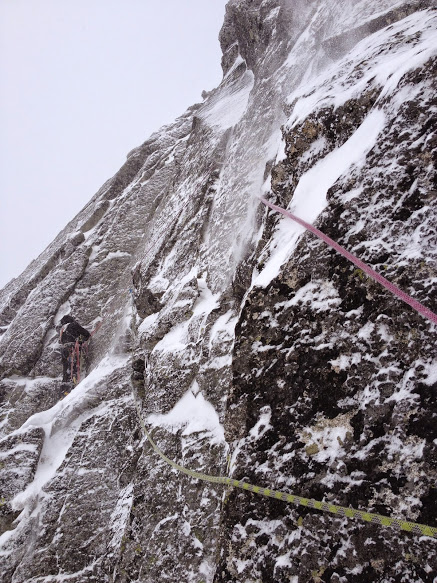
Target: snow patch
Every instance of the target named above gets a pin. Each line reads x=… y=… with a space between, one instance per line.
x=381 y=62
x=177 y=339
x=263 y=424
x=345 y=361
x=326 y=438
x=148 y=323
x=320 y=295
x=60 y=432
x=228 y=106
x=238 y=61
x=195 y=414
x=115 y=255
x=431 y=373
x=316 y=147
x=223 y=328
x=309 y=198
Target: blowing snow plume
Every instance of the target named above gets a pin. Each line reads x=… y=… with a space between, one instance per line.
x=252 y=350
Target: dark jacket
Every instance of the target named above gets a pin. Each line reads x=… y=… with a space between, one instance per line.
x=73 y=331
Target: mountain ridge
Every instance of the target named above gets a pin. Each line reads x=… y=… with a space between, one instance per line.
x=251 y=347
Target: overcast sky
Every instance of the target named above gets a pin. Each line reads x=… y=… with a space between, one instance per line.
x=82 y=82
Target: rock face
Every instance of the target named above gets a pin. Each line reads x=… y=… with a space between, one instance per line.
x=252 y=348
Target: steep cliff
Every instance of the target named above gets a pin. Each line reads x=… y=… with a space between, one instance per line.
x=252 y=348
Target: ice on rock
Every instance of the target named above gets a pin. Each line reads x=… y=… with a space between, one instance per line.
x=250 y=348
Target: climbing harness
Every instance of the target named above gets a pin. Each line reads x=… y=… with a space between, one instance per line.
x=76 y=359
x=342 y=511
x=420 y=308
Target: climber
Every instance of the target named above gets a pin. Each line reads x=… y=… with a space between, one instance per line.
x=72 y=338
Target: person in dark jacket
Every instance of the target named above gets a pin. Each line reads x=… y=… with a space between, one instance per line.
x=71 y=333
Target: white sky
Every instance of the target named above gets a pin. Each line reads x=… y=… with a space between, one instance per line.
x=82 y=82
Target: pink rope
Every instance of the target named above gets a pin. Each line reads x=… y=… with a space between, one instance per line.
x=423 y=310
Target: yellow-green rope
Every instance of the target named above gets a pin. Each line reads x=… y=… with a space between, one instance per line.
x=398 y=523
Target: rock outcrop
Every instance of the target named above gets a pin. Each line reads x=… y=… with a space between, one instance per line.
x=252 y=348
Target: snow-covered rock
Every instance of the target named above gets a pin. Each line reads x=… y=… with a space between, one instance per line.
x=252 y=348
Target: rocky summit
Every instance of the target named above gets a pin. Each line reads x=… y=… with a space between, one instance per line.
x=249 y=347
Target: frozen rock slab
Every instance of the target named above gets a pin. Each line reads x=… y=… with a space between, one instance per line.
x=19 y=455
